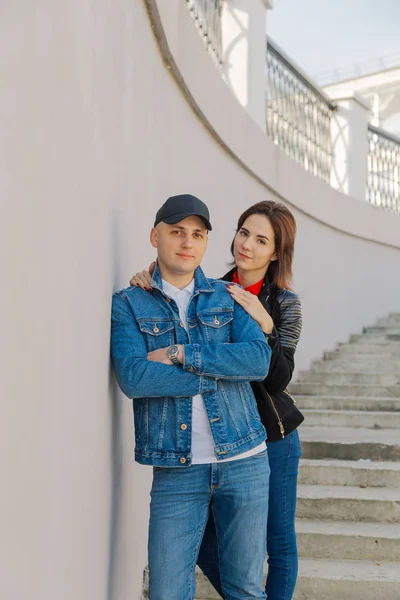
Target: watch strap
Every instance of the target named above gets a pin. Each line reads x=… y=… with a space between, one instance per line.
x=174 y=360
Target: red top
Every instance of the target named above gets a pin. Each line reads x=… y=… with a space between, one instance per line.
x=253 y=289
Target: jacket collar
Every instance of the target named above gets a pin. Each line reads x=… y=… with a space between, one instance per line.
x=266 y=288
x=201 y=283
x=228 y=276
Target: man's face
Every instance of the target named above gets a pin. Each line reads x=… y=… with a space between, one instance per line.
x=181 y=246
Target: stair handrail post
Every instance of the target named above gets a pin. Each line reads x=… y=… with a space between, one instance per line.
x=349 y=135
x=244 y=38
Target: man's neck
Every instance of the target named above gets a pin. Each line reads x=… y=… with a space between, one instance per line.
x=177 y=280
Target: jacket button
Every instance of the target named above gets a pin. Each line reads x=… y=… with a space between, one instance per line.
x=191 y=369
x=182 y=324
x=183 y=426
x=182 y=460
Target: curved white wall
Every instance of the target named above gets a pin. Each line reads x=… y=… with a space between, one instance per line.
x=96 y=133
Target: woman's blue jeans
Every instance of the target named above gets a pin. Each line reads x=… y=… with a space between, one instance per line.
x=181 y=500
x=284 y=458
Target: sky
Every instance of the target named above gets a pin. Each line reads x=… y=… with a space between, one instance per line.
x=321 y=35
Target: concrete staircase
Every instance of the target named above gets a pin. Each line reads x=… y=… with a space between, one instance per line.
x=348 y=510
x=348 y=506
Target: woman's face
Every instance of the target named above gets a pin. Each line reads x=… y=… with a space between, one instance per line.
x=254 y=245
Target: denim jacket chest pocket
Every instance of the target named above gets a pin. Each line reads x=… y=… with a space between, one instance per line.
x=156 y=333
x=217 y=325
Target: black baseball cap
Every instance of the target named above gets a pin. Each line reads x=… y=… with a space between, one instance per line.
x=177 y=208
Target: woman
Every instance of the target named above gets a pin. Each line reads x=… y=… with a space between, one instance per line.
x=263 y=250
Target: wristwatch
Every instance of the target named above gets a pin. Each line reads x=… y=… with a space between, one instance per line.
x=271 y=335
x=172 y=353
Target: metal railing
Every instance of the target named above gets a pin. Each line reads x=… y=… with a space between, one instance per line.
x=383 y=186
x=206 y=15
x=359 y=69
x=298 y=115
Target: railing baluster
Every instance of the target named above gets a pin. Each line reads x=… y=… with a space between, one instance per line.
x=383 y=169
x=302 y=116
x=207 y=17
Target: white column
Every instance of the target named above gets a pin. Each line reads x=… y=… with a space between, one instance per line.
x=244 y=42
x=349 y=129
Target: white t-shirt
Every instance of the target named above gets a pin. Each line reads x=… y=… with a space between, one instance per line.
x=202 y=439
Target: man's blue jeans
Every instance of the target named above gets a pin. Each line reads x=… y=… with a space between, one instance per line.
x=284 y=458
x=181 y=500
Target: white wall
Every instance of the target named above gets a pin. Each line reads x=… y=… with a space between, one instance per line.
x=95 y=134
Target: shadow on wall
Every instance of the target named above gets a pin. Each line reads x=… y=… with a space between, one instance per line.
x=116 y=446
x=116 y=450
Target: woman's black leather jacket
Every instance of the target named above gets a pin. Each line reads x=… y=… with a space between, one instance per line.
x=285 y=309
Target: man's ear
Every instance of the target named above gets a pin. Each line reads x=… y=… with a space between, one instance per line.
x=154 y=237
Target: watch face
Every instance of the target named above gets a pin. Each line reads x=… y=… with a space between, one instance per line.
x=172 y=350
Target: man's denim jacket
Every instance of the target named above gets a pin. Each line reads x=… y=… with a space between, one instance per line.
x=224 y=349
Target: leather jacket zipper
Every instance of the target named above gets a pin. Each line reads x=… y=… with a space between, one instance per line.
x=287 y=393
x=280 y=424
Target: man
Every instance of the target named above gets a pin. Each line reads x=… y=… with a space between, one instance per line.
x=186 y=354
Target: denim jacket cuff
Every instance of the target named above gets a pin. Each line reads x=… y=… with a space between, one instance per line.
x=192 y=358
x=207 y=384
x=192 y=363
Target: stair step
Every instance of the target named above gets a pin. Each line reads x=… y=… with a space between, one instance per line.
x=349 y=403
x=323 y=389
x=388 y=321
x=329 y=378
x=353 y=580
x=204 y=589
x=348 y=503
x=390 y=318
x=349 y=435
x=329 y=579
x=368 y=345
x=348 y=540
x=394 y=337
x=369 y=358
x=349 y=473
x=384 y=325
x=348 y=366
x=350 y=443
x=380 y=331
x=352 y=418
x=379 y=337
x=367 y=338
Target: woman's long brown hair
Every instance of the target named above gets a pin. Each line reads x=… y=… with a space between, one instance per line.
x=284 y=225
